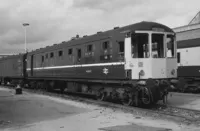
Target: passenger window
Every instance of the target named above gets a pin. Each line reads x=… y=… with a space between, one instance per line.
x=70 y=51
x=89 y=48
x=178 y=57
x=42 y=59
x=106 y=45
x=60 y=53
x=51 y=55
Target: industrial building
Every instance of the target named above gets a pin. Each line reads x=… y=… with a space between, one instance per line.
x=188 y=43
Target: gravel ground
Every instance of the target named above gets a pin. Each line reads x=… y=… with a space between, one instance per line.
x=80 y=116
x=17 y=110
x=184 y=100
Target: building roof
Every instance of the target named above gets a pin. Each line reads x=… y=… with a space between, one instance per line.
x=186 y=28
x=196 y=19
x=193 y=24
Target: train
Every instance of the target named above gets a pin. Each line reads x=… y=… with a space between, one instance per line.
x=188 y=73
x=134 y=64
x=188 y=66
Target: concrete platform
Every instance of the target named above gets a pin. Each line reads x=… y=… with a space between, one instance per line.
x=17 y=110
x=31 y=112
x=184 y=100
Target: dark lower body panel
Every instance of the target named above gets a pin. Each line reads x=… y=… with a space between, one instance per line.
x=189 y=71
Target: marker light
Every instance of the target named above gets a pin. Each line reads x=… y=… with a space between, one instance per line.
x=173 y=72
x=142 y=82
x=141 y=73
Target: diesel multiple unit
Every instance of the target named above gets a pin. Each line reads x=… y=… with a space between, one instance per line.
x=133 y=64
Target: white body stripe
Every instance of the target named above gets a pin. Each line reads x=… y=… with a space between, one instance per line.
x=71 y=66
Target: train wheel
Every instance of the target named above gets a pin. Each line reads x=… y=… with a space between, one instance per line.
x=46 y=86
x=100 y=95
x=38 y=86
x=145 y=97
x=136 y=99
x=126 y=99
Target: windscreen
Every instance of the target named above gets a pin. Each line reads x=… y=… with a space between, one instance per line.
x=140 y=46
x=157 y=46
x=170 y=46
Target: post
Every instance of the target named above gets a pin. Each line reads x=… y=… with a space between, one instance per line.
x=25 y=39
x=25 y=24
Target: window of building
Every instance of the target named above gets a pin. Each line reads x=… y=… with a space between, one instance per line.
x=89 y=48
x=42 y=58
x=51 y=55
x=70 y=51
x=121 y=47
x=105 y=45
x=60 y=53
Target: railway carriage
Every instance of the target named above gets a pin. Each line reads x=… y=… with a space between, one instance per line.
x=12 y=68
x=133 y=64
x=188 y=65
x=188 y=56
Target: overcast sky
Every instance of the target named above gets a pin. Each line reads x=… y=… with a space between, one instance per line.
x=54 y=21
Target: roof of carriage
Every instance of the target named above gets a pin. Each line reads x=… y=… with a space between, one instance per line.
x=144 y=25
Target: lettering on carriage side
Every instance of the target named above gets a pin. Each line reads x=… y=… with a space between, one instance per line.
x=88 y=71
x=140 y=64
x=75 y=66
x=131 y=65
x=105 y=71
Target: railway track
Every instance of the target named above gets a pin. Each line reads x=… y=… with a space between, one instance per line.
x=186 y=116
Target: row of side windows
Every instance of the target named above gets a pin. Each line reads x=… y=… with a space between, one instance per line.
x=51 y=55
x=89 y=48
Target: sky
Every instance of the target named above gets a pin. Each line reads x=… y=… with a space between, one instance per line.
x=54 y=21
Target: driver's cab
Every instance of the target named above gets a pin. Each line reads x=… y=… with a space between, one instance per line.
x=151 y=54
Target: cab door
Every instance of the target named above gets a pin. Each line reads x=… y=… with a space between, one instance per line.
x=137 y=55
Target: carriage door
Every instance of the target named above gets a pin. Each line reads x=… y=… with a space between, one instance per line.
x=128 y=57
x=32 y=57
x=24 y=65
x=79 y=55
x=137 y=55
